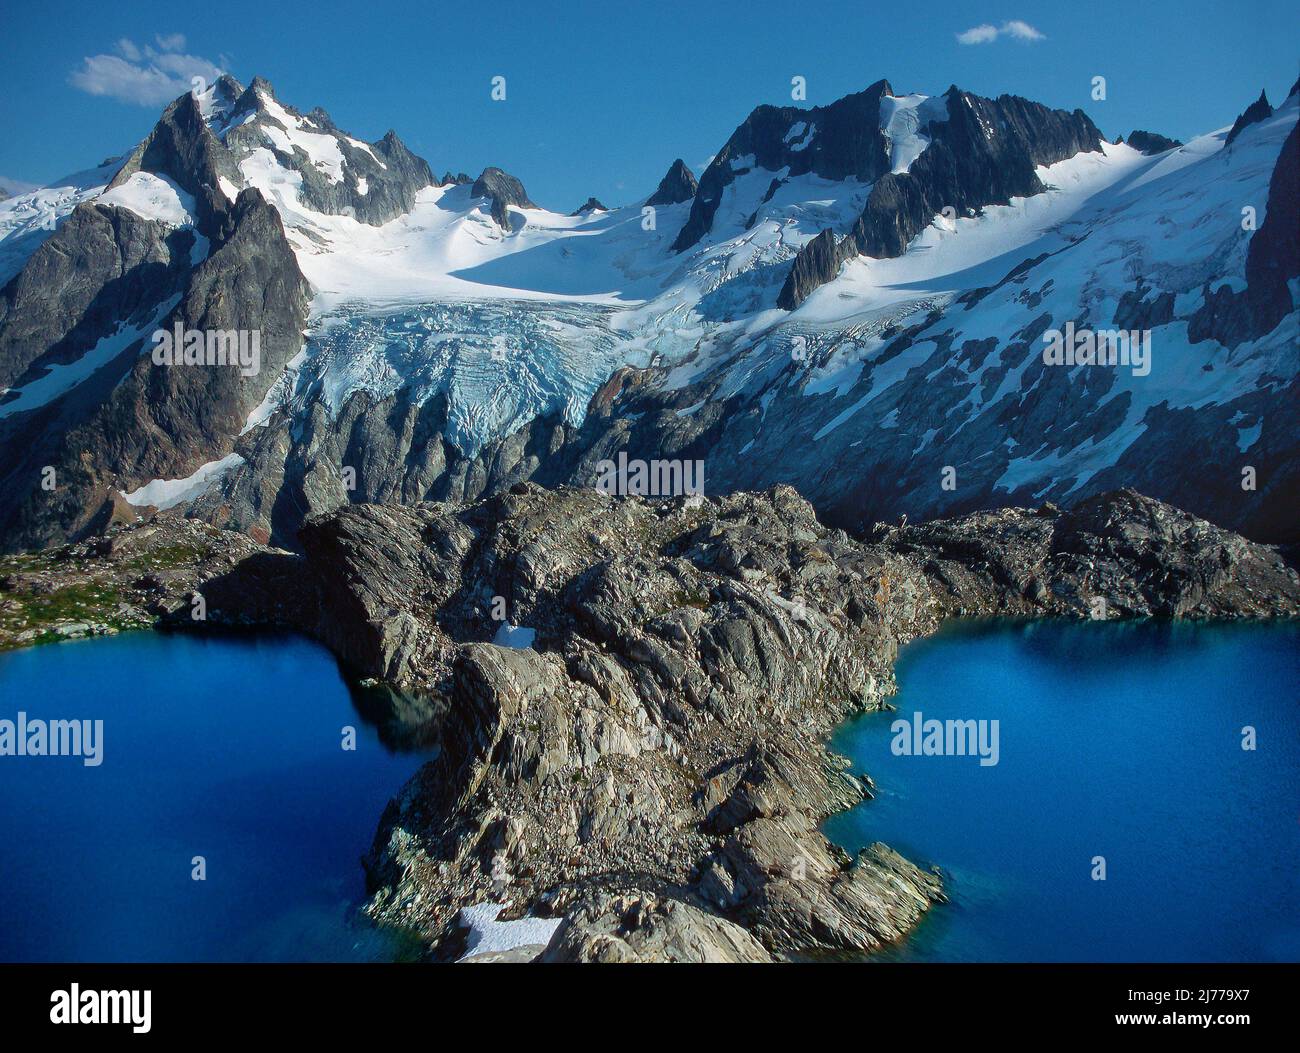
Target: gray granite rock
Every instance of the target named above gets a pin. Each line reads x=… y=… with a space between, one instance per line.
x=663 y=736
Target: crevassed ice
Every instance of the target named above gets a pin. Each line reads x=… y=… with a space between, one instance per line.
x=500 y=363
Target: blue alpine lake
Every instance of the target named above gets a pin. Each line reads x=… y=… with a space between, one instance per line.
x=1119 y=741
x=229 y=748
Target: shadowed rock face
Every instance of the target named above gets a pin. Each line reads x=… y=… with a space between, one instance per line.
x=101 y=268
x=107 y=269
x=133 y=420
x=653 y=769
x=984 y=154
x=846 y=142
x=677 y=185
x=1257 y=111
x=1152 y=142
x=108 y=266
x=817 y=263
x=182 y=148
x=1272 y=260
x=503 y=190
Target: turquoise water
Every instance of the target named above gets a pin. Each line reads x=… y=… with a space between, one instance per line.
x=1120 y=741
x=226 y=748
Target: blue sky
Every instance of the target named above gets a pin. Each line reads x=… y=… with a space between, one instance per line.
x=600 y=97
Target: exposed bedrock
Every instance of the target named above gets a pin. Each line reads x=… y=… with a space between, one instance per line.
x=653 y=768
x=677 y=185
x=133 y=420
x=503 y=191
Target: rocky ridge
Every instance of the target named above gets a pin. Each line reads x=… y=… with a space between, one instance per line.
x=652 y=769
x=502 y=190
x=1257 y=111
x=662 y=742
x=985 y=153
x=1151 y=142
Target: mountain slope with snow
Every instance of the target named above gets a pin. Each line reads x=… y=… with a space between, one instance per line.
x=852 y=299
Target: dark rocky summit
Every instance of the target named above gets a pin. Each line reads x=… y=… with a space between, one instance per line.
x=653 y=769
x=985 y=153
x=590 y=205
x=677 y=185
x=184 y=149
x=503 y=190
x=843 y=140
x=1257 y=111
x=1151 y=142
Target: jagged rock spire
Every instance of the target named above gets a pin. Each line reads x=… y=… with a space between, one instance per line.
x=1257 y=111
x=677 y=185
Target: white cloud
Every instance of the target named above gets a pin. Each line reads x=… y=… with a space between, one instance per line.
x=986 y=33
x=143 y=76
x=1021 y=30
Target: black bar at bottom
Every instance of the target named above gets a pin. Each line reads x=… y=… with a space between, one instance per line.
x=390 y=1001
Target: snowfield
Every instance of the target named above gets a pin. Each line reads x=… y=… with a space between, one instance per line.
x=511 y=324
x=168 y=493
x=152 y=197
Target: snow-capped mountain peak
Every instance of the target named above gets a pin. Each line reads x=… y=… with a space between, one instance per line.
x=849 y=293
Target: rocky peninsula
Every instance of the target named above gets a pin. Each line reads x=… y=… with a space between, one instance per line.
x=652 y=770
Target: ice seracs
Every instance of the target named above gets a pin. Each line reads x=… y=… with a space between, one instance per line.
x=834 y=300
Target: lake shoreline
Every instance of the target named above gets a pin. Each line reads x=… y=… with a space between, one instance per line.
x=1148 y=713
x=228 y=766
x=691 y=661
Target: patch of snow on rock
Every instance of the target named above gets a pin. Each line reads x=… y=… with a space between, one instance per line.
x=167 y=493
x=487 y=935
